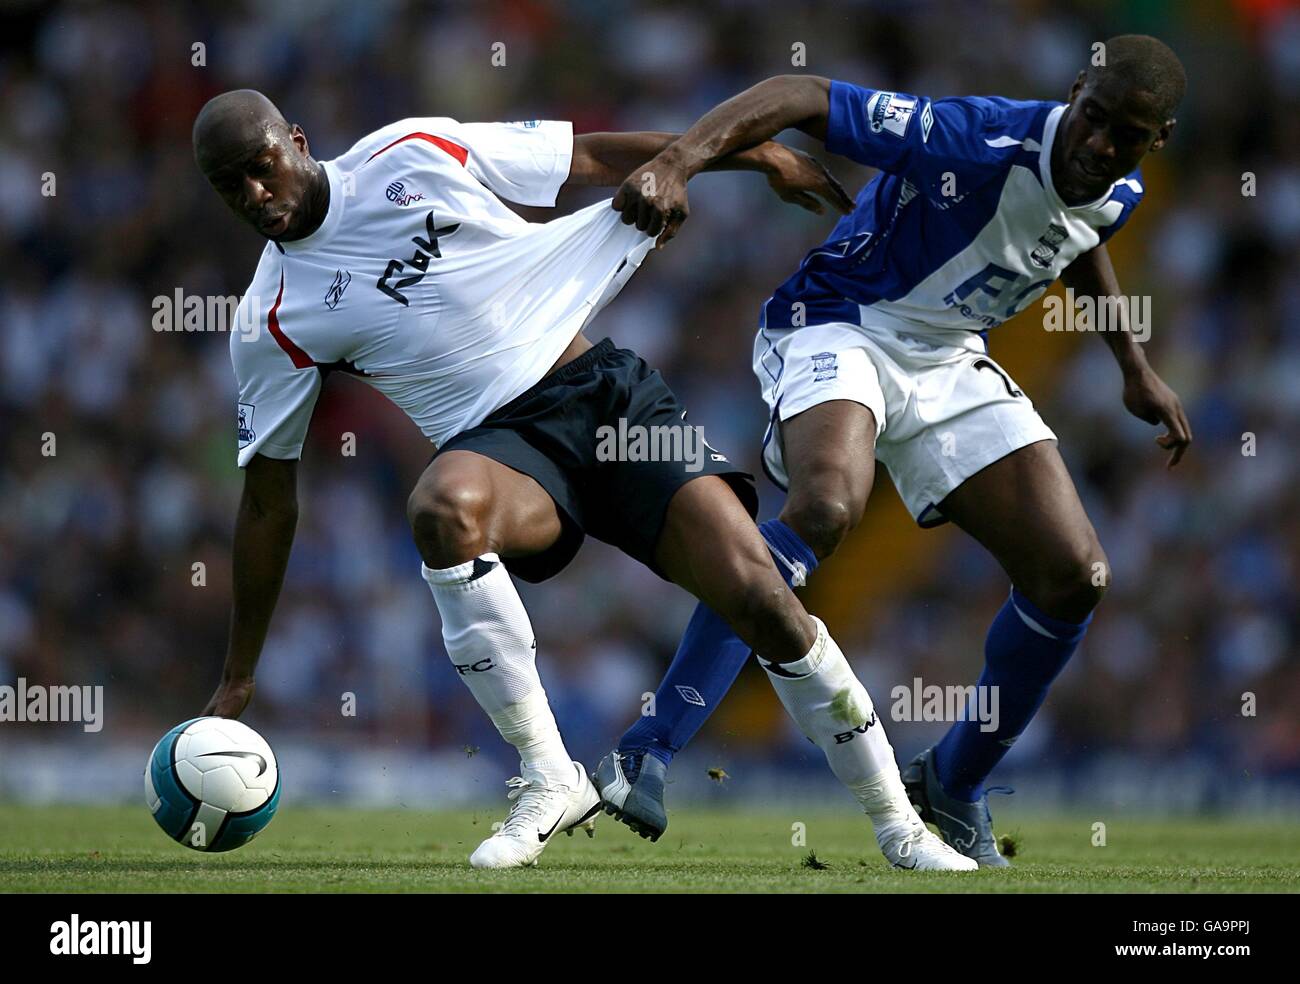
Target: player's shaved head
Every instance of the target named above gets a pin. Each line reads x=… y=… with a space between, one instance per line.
x=1141 y=63
x=234 y=121
x=260 y=164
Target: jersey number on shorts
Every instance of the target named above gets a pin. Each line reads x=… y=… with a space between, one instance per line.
x=1006 y=380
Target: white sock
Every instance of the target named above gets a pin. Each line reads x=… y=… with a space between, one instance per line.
x=491 y=644
x=835 y=711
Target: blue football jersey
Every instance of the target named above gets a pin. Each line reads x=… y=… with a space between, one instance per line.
x=962 y=228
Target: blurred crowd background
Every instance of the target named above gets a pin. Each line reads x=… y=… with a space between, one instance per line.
x=98 y=541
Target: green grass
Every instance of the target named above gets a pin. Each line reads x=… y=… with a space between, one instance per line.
x=119 y=849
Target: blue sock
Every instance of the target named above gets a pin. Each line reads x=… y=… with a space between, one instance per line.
x=708 y=660
x=1024 y=652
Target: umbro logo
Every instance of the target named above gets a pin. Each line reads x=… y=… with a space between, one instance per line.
x=691 y=696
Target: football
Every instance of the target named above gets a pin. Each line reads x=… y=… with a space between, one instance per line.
x=212 y=784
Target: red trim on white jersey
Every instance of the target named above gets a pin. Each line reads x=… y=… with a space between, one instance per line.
x=300 y=358
x=454 y=149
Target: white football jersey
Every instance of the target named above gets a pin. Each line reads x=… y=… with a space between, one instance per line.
x=422 y=283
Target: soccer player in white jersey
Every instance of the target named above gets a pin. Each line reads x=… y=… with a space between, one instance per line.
x=876 y=348
x=399 y=262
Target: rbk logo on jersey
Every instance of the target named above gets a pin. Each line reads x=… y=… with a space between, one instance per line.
x=890 y=112
x=425 y=251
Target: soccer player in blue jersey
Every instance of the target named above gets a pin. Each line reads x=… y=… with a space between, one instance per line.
x=876 y=348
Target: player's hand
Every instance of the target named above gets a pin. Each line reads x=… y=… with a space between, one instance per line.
x=1148 y=398
x=653 y=198
x=230 y=699
x=802 y=179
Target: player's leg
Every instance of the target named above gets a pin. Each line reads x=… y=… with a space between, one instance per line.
x=829 y=456
x=467 y=512
x=827 y=409
x=710 y=546
x=1024 y=509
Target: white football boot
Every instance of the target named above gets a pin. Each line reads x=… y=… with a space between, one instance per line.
x=911 y=844
x=539 y=811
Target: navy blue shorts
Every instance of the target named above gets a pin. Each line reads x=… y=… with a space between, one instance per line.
x=561 y=433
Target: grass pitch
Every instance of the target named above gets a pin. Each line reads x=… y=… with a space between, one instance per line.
x=119 y=849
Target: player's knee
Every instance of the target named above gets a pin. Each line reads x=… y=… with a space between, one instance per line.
x=448 y=522
x=822 y=521
x=1073 y=586
x=763 y=612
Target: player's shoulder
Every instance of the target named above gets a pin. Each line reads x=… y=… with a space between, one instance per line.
x=393 y=135
x=1129 y=190
x=1001 y=122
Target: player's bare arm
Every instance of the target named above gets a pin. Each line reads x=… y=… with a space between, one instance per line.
x=1146 y=395
x=606 y=159
x=654 y=198
x=264 y=528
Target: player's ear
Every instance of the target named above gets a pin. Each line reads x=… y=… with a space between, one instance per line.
x=1163 y=134
x=299 y=139
x=1079 y=81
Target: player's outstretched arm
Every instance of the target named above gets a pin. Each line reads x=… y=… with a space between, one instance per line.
x=606 y=159
x=1146 y=395
x=264 y=528
x=654 y=197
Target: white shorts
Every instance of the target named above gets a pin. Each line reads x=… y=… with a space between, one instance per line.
x=944 y=410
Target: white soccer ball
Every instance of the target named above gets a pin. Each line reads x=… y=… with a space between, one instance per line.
x=212 y=784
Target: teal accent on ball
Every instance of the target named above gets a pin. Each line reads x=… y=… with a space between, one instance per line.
x=178 y=805
x=240 y=828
